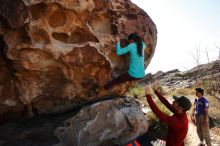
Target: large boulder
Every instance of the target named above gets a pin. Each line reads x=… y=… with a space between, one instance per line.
x=59 y=52
x=111 y=122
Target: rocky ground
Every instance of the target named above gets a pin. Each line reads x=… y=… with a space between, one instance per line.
x=193 y=140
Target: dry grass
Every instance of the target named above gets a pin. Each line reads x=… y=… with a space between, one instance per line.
x=182 y=91
x=136 y=91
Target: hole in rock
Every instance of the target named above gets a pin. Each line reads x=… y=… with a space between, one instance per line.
x=38 y=11
x=88 y=55
x=2 y=46
x=24 y=38
x=40 y=36
x=60 y=37
x=101 y=23
x=99 y=5
x=58 y=18
x=131 y=16
x=127 y=6
x=89 y=82
x=114 y=29
x=79 y=35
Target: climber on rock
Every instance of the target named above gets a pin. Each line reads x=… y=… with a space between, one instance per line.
x=136 y=70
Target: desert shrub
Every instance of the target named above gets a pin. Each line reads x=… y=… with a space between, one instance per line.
x=209 y=86
x=188 y=74
x=182 y=91
x=136 y=91
x=191 y=91
x=179 y=75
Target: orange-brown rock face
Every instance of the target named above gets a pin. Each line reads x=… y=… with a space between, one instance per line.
x=59 y=52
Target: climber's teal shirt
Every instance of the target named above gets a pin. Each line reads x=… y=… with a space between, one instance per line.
x=136 y=64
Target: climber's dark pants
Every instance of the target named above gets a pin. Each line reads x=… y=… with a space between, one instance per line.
x=120 y=79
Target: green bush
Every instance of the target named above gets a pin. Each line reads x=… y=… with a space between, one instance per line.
x=137 y=91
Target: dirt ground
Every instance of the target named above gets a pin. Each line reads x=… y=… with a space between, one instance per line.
x=193 y=140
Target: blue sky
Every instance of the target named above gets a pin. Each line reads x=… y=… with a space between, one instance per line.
x=184 y=26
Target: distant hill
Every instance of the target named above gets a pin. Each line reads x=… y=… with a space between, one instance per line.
x=195 y=76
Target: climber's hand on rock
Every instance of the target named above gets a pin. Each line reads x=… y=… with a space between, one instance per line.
x=148 y=90
x=117 y=39
x=155 y=86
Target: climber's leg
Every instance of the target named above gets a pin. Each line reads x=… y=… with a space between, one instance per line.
x=122 y=78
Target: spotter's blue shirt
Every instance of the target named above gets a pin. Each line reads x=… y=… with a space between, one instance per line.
x=136 y=63
x=200 y=105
